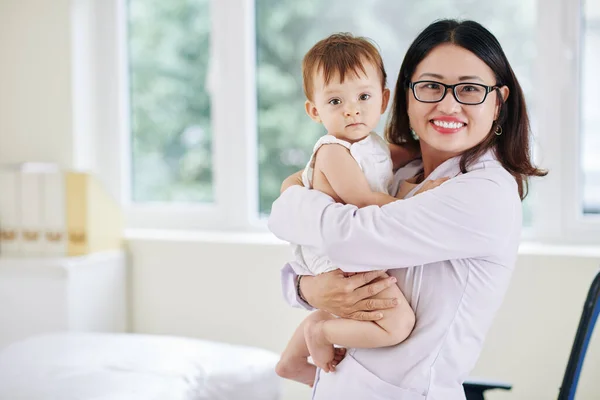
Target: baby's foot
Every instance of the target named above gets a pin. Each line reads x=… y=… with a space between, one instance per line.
x=297 y=369
x=319 y=348
x=339 y=354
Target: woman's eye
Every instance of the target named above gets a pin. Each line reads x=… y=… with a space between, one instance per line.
x=335 y=102
x=365 y=96
x=433 y=86
x=471 y=88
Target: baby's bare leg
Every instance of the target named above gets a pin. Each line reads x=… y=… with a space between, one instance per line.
x=294 y=360
x=396 y=325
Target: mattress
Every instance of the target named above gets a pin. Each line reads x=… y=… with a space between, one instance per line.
x=102 y=366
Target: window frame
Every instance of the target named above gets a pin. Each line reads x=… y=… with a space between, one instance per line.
x=557 y=213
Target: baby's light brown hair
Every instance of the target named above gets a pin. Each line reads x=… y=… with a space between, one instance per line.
x=340 y=53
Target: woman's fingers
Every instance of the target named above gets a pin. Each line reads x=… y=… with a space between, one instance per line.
x=363 y=278
x=365 y=315
x=376 y=304
x=373 y=288
x=294 y=179
x=430 y=184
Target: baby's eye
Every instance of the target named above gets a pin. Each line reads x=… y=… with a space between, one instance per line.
x=365 y=96
x=335 y=102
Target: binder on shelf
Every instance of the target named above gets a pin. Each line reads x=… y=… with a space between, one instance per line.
x=10 y=213
x=93 y=219
x=52 y=212
x=54 y=233
x=30 y=198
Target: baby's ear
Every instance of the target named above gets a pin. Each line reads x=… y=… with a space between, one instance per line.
x=385 y=99
x=312 y=111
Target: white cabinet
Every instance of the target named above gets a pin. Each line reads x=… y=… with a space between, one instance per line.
x=38 y=295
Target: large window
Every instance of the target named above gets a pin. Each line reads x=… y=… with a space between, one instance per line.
x=286 y=29
x=170 y=104
x=590 y=106
x=209 y=95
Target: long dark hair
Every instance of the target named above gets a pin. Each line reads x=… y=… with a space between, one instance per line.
x=512 y=146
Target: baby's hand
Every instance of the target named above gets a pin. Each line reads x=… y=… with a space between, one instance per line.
x=428 y=185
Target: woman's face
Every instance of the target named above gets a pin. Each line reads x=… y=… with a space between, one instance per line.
x=448 y=128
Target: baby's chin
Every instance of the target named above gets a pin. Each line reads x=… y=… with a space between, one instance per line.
x=353 y=133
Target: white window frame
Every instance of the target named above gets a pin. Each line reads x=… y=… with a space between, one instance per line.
x=558 y=215
x=557 y=210
x=233 y=120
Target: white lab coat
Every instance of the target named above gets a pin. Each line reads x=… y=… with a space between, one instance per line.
x=452 y=250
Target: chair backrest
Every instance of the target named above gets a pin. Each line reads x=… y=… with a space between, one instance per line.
x=591 y=309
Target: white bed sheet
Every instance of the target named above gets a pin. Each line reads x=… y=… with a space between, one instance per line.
x=134 y=367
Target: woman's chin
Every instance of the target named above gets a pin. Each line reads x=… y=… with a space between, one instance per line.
x=446 y=144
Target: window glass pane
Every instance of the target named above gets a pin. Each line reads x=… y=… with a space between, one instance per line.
x=286 y=29
x=170 y=105
x=590 y=104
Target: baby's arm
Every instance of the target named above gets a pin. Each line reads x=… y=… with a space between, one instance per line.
x=346 y=178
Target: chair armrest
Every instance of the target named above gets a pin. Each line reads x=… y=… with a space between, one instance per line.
x=486 y=384
x=475 y=388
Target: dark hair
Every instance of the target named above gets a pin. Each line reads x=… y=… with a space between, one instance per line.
x=512 y=147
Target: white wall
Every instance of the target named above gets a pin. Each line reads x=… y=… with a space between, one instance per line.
x=35 y=81
x=223 y=290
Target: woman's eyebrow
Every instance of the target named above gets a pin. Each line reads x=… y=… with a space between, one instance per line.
x=460 y=78
x=430 y=75
x=470 y=78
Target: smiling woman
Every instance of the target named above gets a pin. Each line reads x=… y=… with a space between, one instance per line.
x=452 y=124
x=451 y=250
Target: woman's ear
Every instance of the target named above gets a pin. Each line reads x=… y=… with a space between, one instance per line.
x=312 y=111
x=504 y=92
x=385 y=99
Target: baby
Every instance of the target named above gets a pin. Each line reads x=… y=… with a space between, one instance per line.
x=345 y=86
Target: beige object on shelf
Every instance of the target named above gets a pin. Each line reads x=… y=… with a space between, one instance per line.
x=93 y=219
x=46 y=211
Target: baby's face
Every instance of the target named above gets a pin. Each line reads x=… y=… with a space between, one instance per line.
x=352 y=109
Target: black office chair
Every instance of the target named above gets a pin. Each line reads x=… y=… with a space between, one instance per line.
x=475 y=389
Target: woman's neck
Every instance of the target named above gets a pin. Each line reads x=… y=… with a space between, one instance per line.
x=433 y=158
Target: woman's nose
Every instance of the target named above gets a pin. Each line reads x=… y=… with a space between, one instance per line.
x=449 y=105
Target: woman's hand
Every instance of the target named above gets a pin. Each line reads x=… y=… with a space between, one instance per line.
x=294 y=179
x=431 y=184
x=348 y=296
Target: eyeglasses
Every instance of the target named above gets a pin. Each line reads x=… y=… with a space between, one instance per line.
x=464 y=93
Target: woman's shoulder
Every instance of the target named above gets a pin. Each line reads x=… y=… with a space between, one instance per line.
x=488 y=167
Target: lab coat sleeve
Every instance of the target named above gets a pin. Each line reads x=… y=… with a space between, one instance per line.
x=470 y=216
x=289 y=274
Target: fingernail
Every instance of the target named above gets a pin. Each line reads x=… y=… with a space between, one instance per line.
x=379 y=315
x=395 y=302
x=393 y=279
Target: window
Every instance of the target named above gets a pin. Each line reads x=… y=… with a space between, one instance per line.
x=170 y=104
x=200 y=110
x=286 y=29
x=590 y=104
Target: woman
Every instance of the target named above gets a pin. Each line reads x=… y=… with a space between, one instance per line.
x=452 y=249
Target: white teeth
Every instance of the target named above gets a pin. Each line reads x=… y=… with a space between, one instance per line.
x=450 y=125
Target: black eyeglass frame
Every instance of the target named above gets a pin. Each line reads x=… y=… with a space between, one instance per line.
x=488 y=90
